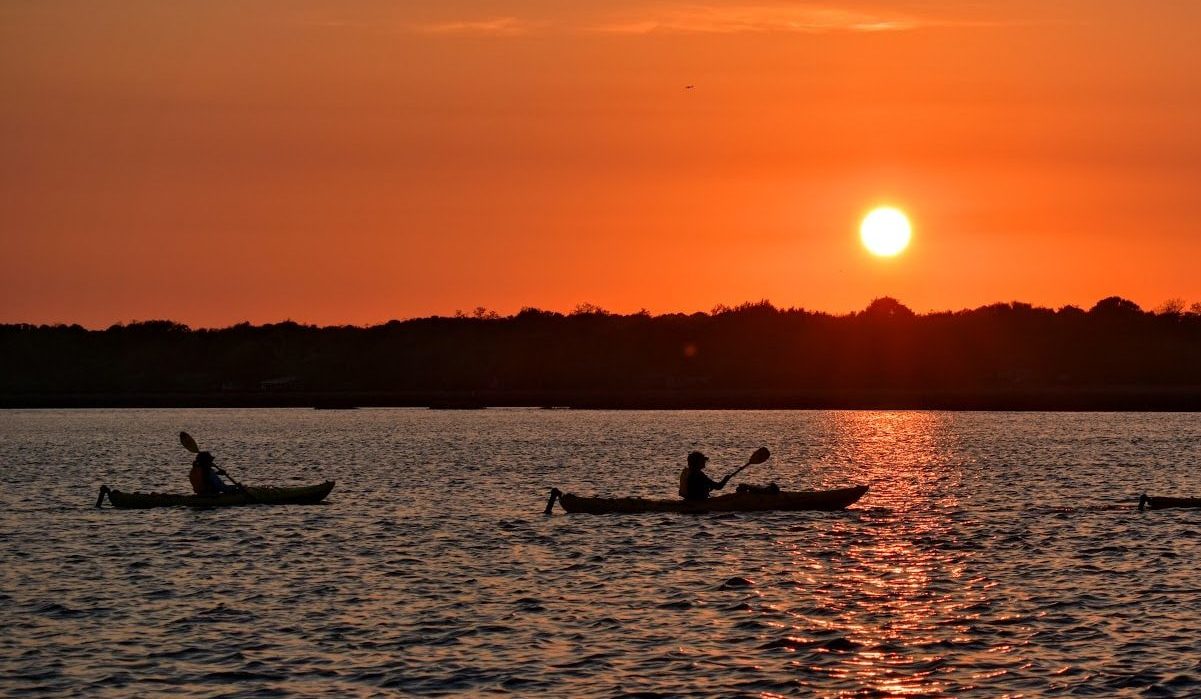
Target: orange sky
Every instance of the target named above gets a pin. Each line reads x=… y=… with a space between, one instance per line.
x=211 y=161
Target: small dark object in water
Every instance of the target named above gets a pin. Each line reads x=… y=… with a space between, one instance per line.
x=334 y=404
x=736 y=583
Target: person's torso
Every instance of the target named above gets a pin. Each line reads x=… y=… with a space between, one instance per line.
x=696 y=484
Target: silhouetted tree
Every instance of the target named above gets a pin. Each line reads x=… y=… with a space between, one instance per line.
x=886 y=307
x=588 y=309
x=1115 y=307
x=750 y=346
x=1171 y=307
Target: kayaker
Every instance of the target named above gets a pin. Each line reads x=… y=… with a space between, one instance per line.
x=695 y=484
x=204 y=478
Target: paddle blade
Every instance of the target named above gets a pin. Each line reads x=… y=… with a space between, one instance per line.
x=188 y=443
x=761 y=454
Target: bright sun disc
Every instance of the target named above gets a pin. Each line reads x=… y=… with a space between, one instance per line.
x=885 y=231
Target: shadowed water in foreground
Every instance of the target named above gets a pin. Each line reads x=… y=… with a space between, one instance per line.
x=995 y=554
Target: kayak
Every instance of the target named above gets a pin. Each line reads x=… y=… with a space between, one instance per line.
x=302 y=495
x=1151 y=502
x=825 y=500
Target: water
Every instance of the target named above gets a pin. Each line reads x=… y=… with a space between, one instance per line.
x=996 y=554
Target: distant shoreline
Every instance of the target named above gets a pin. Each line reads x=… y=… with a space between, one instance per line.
x=1113 y=357
x=1100 y=399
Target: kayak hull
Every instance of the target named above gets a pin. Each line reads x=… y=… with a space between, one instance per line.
x=823 y=500
x=1152 y=502
x=303 y=495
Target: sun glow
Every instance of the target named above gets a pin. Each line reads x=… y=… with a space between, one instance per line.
x=885 y=231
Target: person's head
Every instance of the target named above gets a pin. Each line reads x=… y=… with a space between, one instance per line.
x=697 y=460
x=203 y=459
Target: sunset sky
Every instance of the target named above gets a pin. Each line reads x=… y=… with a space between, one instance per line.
x=355 y=161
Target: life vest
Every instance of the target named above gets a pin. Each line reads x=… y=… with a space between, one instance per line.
x=199 y=482
x=684 y=482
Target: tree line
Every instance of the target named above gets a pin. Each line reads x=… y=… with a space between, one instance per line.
x=750 y=347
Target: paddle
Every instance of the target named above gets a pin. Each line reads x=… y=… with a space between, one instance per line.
x=759 y=456
x=550 y=504
x=190 y=444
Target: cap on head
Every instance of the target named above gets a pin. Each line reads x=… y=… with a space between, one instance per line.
x=697 y=459
x=204 y=457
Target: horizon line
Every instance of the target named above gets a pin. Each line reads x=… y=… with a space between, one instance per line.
x=1173 y=306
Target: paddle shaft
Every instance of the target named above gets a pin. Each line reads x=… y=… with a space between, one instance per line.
x=761 y=454
x=736 y=471
x=222 y=472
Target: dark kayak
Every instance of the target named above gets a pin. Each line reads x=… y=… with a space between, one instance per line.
x=303 y=495
x=1151 y=502
x=735 y=502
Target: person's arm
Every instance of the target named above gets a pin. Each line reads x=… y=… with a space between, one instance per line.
x=716 y=485
x=232 y=486
x=216 y=485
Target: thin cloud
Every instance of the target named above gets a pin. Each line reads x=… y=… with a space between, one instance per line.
x=809 y=18
x=727 y=19
x=496 y=26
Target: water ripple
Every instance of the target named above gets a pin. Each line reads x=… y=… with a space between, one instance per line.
x=996 y=555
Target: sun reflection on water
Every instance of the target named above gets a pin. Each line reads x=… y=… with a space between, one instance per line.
x=898 y=603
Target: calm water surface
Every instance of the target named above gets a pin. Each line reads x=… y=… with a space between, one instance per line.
x=996 y=554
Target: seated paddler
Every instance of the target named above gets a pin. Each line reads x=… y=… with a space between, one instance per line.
x=204 y=477
x=695 y=484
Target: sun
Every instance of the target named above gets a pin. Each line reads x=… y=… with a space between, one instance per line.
x=885 y=231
